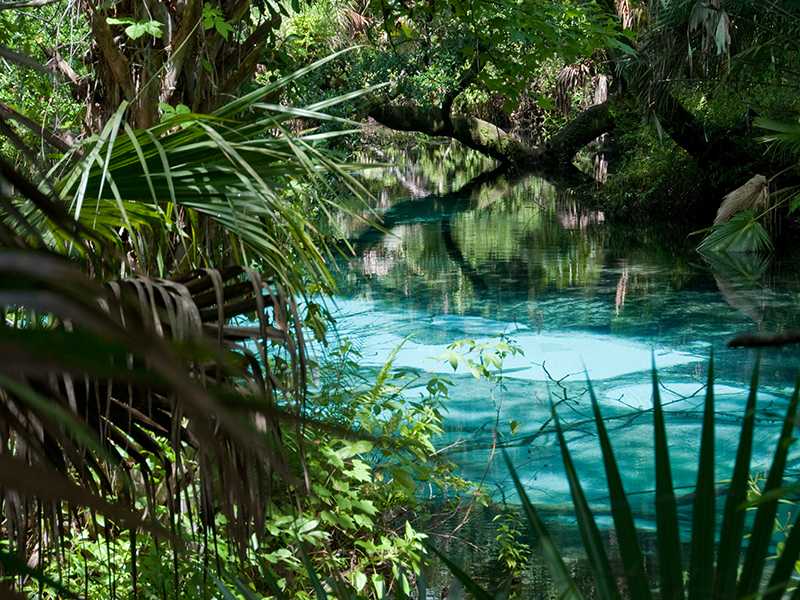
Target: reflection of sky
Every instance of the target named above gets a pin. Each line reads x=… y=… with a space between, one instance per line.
x=563 y=354
x=569 y=291
x=620 y=370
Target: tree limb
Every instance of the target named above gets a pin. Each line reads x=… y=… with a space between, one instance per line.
x=474 y=133
x=23 y=60
x=762 y=340
x=243 y=68
x=469 y=76
x=492 y=141
x=26 y=4
x=238 y=10
x=117 y=62
x=180 y=46
x=49 y=136
x=586 y=127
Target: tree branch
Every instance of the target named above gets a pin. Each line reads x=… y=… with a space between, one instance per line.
x=238 y=10
x=474 y=133
x=254 y=44
x=116 y=61
x=763 y=340
x=49 y=136
x=23 y=60
x=586 y=127
x=26 y=4
x=492 y=141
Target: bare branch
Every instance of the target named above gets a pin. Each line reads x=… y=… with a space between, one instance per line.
x=49 y=136
x=26 y=4
x=23 y=60
x=762 y=340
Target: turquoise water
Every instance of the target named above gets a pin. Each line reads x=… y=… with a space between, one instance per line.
x=520 y=258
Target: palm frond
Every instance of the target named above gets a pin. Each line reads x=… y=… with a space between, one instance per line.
x=98 y=378
x=783 y=134
x=706 y=579
x=226 y=172
x=742 y=233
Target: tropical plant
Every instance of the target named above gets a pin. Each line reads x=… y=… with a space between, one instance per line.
x=93 y=373
x=136 y=409
x=743 y=218
x=198 y=53
x=167 y=424
x=203 y=190
x=717 y=567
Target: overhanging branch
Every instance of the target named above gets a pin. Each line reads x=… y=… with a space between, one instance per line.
x=52 y=138
x=26 y=4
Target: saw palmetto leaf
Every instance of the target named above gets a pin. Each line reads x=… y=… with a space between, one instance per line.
x=236 y=170
x=742 y=233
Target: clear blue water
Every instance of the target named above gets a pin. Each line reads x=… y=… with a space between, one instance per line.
x=519 y=257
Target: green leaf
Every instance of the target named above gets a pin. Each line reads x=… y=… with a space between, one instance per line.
x=786 y=565
x=701 y=563
x=624 y=524
x=667 y=529
x=469 y=584
x=732 y=527
x=359 y=580
x=350 y=449
x=590 y=534
x=319 y=591
x=552 y=556
x=742 y=233
x=761 y=532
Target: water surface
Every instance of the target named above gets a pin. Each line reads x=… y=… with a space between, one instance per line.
x=518 y=257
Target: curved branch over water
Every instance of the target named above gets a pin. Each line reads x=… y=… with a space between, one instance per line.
x=554 y=157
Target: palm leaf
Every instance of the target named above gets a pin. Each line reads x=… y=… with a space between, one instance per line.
x=732 y=527
x=563 y=580
x=667 y=527
x=786 y=564
x=753 y=568
x=592 y=542
x=632 y=559
x=742 y=233
x=469 y=584
x=701 y=572
x=784 y=134
x=232 y=168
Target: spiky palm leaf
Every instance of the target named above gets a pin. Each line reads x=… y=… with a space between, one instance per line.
x=96 y=377
x=227 y=179
x=742 y=233
x=783 y=134
x=722 y=572
x=92 y=375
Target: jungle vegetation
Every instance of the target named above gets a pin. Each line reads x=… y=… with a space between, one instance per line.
x=171 y=176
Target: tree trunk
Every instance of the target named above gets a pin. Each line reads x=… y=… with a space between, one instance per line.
x=188 y=64
x=555 y=156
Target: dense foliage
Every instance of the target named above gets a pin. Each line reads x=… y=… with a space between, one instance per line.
x=171 y=184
